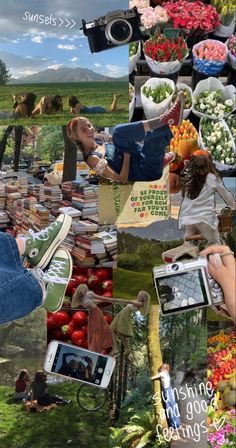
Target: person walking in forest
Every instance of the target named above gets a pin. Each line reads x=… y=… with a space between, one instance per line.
x=137 y=151
x=198 y=209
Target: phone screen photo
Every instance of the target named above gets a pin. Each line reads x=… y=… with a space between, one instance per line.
x=74 y=363
x=181 y=291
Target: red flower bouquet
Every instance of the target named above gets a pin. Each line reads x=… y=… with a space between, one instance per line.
x=165 y=55
x=192 y=16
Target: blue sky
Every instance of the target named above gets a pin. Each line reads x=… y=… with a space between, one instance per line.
x=28 y=47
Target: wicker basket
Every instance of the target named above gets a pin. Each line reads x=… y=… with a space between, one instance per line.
x=225 y=221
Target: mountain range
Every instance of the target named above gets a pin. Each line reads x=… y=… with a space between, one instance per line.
x=160 y=230
x=65 y=74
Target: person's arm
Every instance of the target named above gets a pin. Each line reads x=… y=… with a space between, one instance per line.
x=225 y=194
x=114 y=300
x=222 y=267
x=109 y=172
x=156 y=377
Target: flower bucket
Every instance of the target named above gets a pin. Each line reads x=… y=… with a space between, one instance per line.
x=210 y=84
x=225 y=30
x=134 y=59
x=219 y=166
x=151 y=109
x=163 y=68
x=206 y=66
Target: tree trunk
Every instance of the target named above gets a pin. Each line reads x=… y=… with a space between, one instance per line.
x=18 y=138
x=3 y=142
x=70 y=158
x=126 y=374
x=120 y=380
x=155 y=361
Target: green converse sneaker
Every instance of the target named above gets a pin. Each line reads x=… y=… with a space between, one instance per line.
x=40 y=246
x=56 y=279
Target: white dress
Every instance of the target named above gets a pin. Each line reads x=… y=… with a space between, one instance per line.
x=202 y=209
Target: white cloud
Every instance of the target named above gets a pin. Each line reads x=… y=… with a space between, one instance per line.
x=96 y=64
x=55 y=66
x=37 y=39
x=66 y=47
x=74 y=59
x=115 y=71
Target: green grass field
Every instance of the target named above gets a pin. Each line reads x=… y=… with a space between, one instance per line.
x=89 y=93
x=128 y=283
x=58 y=428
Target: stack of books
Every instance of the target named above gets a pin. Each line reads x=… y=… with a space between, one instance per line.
x=84 y=226
x=22 y=185
x=66 y=191
x=37 y=191
x=11 y=201
x=52 y=197
x=85 y=198
x=2 y=197
x=39 y=217
x=4 y=220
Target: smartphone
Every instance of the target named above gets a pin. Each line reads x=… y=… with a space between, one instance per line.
x=69 y=361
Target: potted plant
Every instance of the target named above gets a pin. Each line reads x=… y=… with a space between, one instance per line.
x=226 y=9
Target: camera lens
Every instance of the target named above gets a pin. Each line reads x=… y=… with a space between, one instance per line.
x=118 y=31
x=175 y=267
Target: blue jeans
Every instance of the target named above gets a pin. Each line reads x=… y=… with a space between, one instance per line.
x=20 y=292
x=147 y=158
x=94 y=110
x=171 y=407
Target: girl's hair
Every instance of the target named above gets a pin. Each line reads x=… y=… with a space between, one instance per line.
x=57 y=103
x=196 y=173
x=146 y=302
x=29 y=101
x=22 y=374
x=40 y=376
x=164 y=367
x=73 y=101
x=79 y=295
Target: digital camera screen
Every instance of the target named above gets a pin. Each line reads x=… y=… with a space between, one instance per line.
x=181 y=291
x=74 y=363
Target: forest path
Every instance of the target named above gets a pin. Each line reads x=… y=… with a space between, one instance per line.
x=191 y=434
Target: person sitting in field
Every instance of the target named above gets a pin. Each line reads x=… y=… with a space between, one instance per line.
x=25 y=107
x=76 y=107
x=21 y=385
x=40 y=391
x=48 y=105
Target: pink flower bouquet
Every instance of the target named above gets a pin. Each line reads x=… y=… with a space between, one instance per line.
x=231 y=44
x=192 y=17
x=209 y=56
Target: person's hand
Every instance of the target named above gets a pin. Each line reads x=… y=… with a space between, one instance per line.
x=221 y=266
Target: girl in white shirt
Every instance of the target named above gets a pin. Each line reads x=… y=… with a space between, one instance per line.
x=198 y=209
x=168 y=396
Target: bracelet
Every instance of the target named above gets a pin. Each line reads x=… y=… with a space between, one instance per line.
x=226 y=254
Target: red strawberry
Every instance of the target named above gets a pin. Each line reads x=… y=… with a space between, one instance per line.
x=70 y=286
x=108 y=318
x=56 y=320
x=85 y=344
x=67 y=330
x=79 y=318
x=103 y=273
x=107 y=285
x=78 y=337
x=79 y=279
x=94 y=281
x=85 y=329
x=90 y=271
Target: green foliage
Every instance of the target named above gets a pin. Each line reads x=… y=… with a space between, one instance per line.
x=4 y=73
x=130 y=261
x=89 y=93
x=50 y=143
x=139 y=432
x=128 y=283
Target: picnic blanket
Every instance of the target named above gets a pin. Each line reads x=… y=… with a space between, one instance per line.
x=33 y=406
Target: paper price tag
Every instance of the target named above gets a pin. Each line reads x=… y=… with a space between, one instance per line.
x=171 y=33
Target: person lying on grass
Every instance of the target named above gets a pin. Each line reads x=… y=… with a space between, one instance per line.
x=137 y=151
x=76 y=107
x=48 y=105
x=25 y=107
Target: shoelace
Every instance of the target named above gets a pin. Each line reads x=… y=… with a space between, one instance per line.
x=55 y=272
x=42 y=235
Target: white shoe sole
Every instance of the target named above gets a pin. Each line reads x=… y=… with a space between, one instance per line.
x=66 y=220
